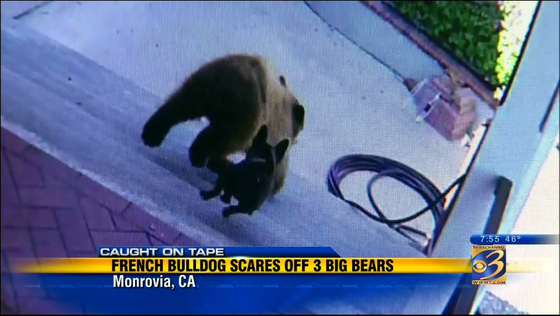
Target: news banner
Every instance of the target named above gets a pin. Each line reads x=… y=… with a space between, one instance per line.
x=121 y=276
x=121 y=261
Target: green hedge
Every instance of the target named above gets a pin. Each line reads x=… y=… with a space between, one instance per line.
x=477 y=32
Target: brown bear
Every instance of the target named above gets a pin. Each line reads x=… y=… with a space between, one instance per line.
x=238 y=94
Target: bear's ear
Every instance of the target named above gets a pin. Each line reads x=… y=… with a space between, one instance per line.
x=261 y=136
x=282 y=80
x=280 y=150
x=298 y=112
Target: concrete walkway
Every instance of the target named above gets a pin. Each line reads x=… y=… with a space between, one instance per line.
x=157 y=44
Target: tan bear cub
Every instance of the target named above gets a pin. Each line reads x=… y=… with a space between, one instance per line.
x=237 y=94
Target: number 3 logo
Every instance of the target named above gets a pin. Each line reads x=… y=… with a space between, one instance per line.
x=496 y=262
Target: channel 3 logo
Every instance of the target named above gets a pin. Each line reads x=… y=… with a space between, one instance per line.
x=489 y=264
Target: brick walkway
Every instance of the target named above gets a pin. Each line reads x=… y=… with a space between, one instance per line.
x=50 y=210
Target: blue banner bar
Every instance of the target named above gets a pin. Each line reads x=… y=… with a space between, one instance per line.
x=230 y=294
x=191 y=252
x=514 y=239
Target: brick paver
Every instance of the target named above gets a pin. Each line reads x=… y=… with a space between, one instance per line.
x=51 y=210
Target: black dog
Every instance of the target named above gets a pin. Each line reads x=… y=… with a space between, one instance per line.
x=250 y=181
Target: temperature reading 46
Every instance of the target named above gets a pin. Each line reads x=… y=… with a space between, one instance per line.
x=512 y=238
